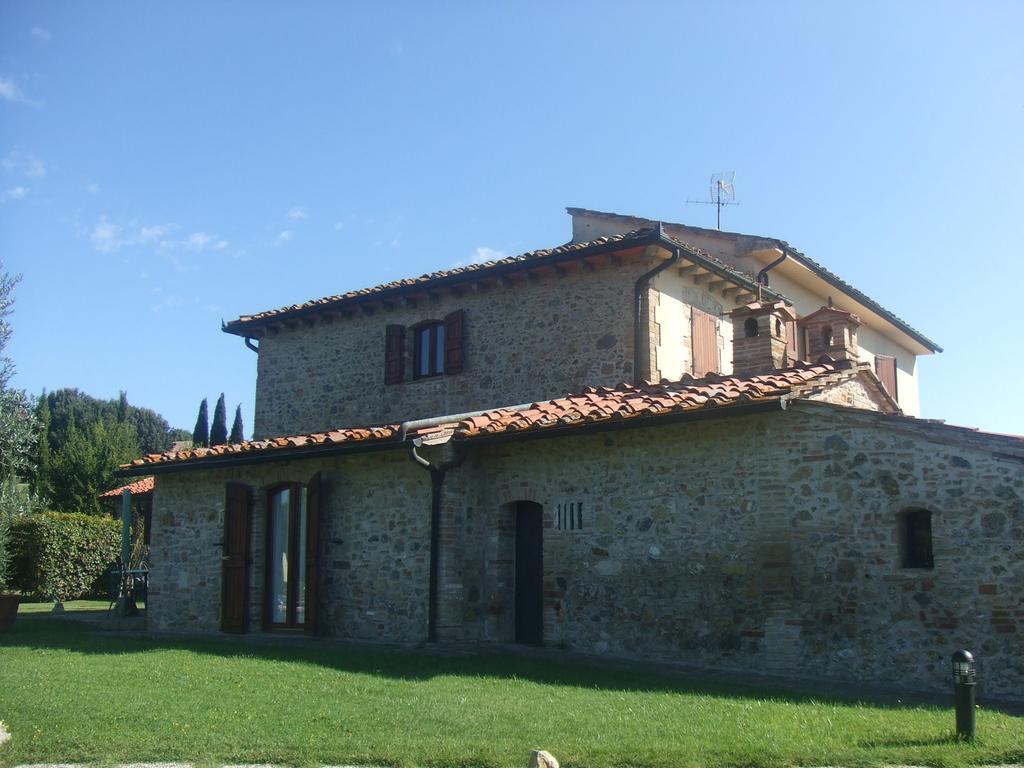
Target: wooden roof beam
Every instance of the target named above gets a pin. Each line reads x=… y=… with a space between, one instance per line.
x=703 y=277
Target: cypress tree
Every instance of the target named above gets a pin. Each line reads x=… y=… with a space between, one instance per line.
x=201 y=434
x=236 y=427
x=219 y=429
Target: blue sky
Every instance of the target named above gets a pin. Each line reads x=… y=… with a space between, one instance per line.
x=166 y=166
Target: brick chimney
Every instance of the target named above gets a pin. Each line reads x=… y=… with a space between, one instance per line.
x=759 y=337
x=831 y=332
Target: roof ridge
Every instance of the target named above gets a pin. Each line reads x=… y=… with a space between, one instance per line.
x=815 y=266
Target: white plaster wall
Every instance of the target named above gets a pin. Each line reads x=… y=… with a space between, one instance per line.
x=737 y=252
x=870 y=341
x=677 y=294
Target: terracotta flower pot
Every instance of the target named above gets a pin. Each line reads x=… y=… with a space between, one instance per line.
x=8 y=610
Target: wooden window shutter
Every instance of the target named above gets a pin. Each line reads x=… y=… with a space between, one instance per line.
x=394 y=354
x=454 y=330
x=312 y=551
x=885 y=369
x=704 y=338
x=234 y=610
x=793 y=341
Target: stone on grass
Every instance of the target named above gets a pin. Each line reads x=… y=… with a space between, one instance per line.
x=541 y=759
x=4 y=735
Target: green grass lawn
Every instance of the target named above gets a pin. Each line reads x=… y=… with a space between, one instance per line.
x=70 y=694
x=69 y=606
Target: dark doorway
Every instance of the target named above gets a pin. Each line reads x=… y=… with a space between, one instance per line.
x=235 y=560
x=529 y=573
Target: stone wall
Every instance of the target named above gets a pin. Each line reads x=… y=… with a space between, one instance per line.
x=375 y=513
x=766 y=541
x=761 y=542
x=529 y=340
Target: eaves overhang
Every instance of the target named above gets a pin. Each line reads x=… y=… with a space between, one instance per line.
x=643 y=238
x=810 y=264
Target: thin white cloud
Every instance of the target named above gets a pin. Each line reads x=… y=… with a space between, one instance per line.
x=479 y=255
x=14 y=193
x=339 y=225
x=92 y=188
x=297 y=214
x=109 y=236
x=284 y=237
x=9 y=91
x=483 y=253
x=153 y=234
x=201 y=241
x=106 y=236
x=24 y=164
x=43 y=35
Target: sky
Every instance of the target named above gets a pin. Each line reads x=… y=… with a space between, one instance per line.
x=164 y=167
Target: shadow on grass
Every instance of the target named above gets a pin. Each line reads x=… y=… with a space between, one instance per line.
x=64 y=632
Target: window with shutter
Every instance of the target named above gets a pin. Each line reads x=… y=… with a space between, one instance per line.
x=704 y=341
x=394 y=354
x=885 y=369
x=428 y=349
x=794 y=349
x=454 y=326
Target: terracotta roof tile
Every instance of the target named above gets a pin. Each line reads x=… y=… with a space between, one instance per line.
x=627 y=401
x=139 y=487
x=592 y=405
x=335 y=437
x=641 y=236
x=814 y=266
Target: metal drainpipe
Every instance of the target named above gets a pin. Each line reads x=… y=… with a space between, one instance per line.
x=250 y=345
x=437 y=475
x=641 y=284
x=762 y=276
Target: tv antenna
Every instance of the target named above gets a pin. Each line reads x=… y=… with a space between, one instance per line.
x=722 y=191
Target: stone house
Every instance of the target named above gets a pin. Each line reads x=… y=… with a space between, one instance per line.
x=655 y=441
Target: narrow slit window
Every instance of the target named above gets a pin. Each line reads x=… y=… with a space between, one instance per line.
x=915 y=537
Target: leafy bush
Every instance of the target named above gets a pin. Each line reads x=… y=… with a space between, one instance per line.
x=5 y=551
x=59 y=556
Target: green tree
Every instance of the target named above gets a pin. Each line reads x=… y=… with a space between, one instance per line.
x=201 y=434
x=41 y=475
x=237 y=432
x=17 y=429
x=219 y=429
x=86 y=462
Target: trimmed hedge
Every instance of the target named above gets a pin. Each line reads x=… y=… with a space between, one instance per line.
x=59 y=556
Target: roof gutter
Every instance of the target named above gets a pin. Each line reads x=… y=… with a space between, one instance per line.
x=762 y=276
x=639 y=290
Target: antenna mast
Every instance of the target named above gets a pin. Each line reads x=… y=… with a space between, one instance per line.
x=722 y=192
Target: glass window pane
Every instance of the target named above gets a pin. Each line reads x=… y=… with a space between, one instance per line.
x=300 y=609
x=279 y=518
x=439 y=356
x=424 y=348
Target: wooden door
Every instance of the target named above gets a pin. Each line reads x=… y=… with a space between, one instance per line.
x=235 y=559
x=312 y=597
x=529 y=578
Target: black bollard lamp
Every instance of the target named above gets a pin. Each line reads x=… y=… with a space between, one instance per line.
x=964 y=681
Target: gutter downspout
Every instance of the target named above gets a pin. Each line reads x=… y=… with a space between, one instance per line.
x=638 y=291
x=762 y=276
x=437 y=475
x=250 y=345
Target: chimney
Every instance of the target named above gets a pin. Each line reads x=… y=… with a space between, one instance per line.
x=831 y=332
x=759 y=337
